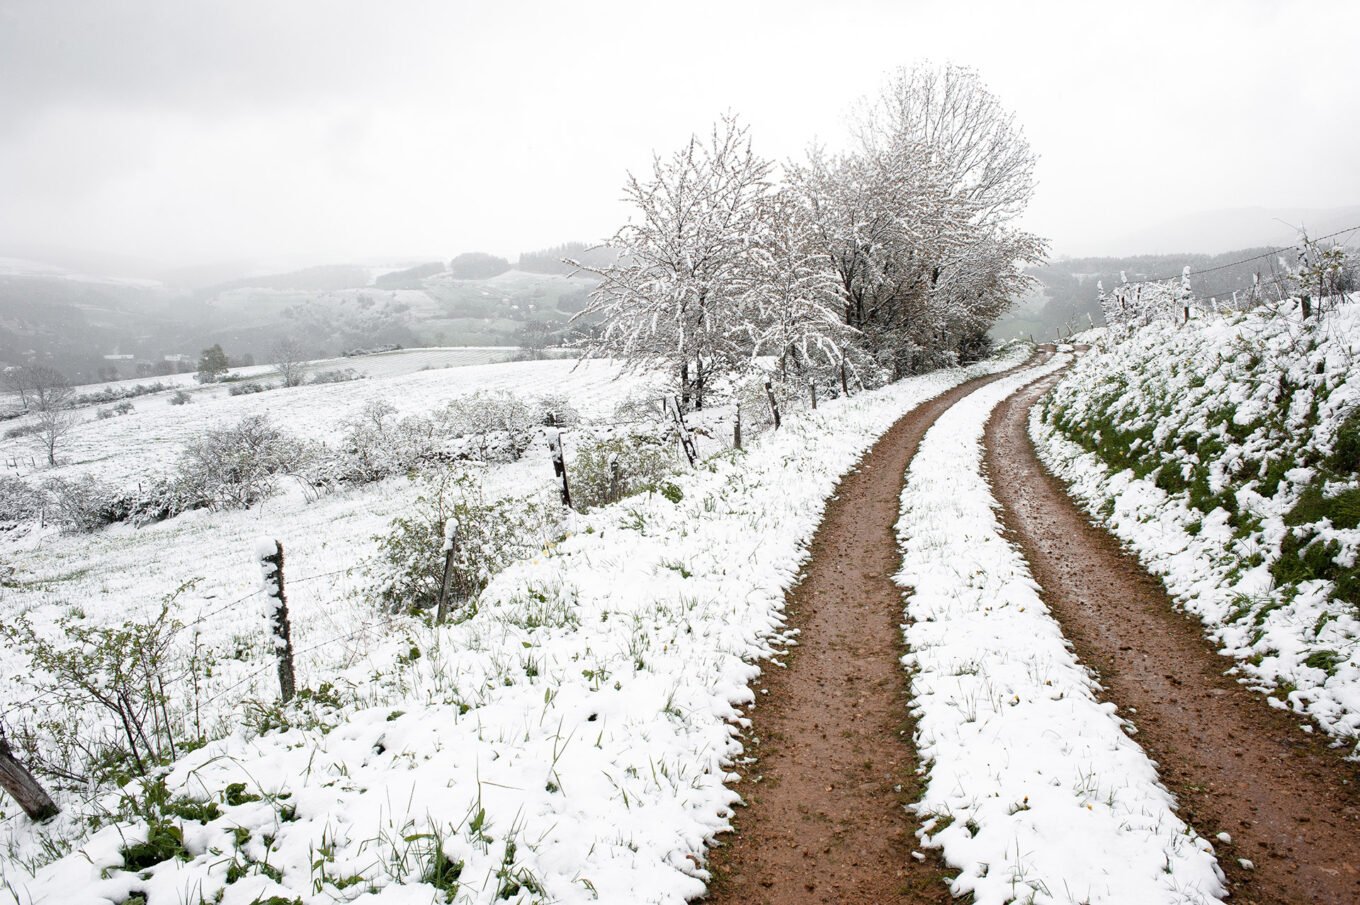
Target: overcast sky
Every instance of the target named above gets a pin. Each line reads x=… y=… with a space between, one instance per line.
x=186 y=132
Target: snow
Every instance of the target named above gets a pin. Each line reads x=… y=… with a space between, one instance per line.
x=568 y=742
x=1033 y=790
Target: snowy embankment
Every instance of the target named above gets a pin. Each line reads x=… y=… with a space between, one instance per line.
x=1223 y=453
x=567 y=743
x=1034 y=792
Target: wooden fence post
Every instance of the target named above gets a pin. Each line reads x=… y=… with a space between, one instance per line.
x=812 y=388
x=559 y=463
x=270 y=553
x=613 y=476
x=22 y=787
x=446 y=583
x=845 y=384
x=774 y=406
x=736 y=429
x=686 y=441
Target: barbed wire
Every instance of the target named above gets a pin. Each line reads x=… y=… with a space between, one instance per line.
x=363 y=629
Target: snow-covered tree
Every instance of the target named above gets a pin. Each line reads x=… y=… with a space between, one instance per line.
x=789 y=293
x=674 y=297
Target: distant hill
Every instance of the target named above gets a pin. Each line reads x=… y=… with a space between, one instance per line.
x=95 y=328
x=1068 y=287
x=320 y=279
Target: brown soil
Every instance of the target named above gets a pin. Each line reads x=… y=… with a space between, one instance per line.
x=1289 y=801
x=825 y=817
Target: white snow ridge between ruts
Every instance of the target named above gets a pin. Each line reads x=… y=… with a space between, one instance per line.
x=1034 y=792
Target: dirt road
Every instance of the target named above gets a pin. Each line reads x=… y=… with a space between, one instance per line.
x=825 y=818
x=1289 y=803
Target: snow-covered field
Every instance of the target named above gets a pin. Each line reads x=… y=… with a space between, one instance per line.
x=129 y=448
x=1034 y=792
x=568 y=742
x=1219 y=451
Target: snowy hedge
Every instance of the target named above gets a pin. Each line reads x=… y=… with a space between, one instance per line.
x=1226 y=453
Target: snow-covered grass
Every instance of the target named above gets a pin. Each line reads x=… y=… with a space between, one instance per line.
x=566 y=743
x=1223 y=452
x=141 y=445
x=1034 y=792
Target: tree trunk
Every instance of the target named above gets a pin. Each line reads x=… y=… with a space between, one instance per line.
x=684 y=382
x=699 y=383
x=23 y=788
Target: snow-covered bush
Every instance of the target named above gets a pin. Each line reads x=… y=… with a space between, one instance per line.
x=245 y=389
x=236 y=467
x=408 y=569
x=335 y=375
x=606 y=471
x=375 y=445
x=556 y=409
x=83 y=504
x=19 y=500
x=180 y=398
x=502 y=421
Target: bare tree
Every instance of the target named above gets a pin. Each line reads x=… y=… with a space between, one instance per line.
x=18 y=381
x=290 y=362
x=49 y=397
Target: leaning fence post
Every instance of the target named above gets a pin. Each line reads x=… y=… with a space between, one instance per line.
x=774 y=406
x=22 y=787
x=736 y=429
x=686 y=441
x=559 y=463
x=270 y=553
x=446 y=583
x=812 y=388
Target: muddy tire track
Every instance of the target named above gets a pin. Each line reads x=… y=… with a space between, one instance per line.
x=825 y=817
x=1289 y=802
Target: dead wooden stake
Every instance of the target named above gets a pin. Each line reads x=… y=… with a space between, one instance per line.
x=613 y=477
x=559 y=463
x=845 y=385
x=774 y=406
x=446 y=583
x=272 y=566
x=686 y=441
x=22 y=787
x=812 y=388
x=736 y=429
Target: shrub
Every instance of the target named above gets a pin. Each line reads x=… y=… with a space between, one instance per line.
x=23 y=430
x=503 y=422
x=123 y=408
x=83 y=504
x=180 y=398
x=556 y=409
x=245 y=389
x=106 y=715
x=409 y=565
x=19 y=501
x=337 y=375
x=638 y=463
x=376 y=445
x=235 y=467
